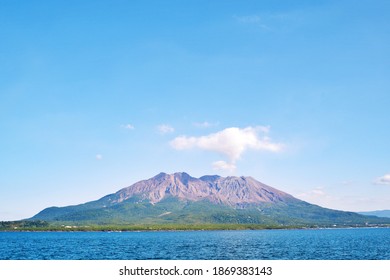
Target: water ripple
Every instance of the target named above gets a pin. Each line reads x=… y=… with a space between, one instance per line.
x=336 y=244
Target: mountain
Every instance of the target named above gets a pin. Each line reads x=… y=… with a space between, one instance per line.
x=232 y=191
x=378 y=213
x=181 y=199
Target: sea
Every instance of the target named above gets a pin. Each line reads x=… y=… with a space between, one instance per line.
x=310 y=244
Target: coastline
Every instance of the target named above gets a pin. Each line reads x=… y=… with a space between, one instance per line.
x=178 y=227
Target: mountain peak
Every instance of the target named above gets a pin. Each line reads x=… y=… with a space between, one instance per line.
x=160 y=176
x=210 y=178
x=180 y=198
x=183 y=175
x=233 y=191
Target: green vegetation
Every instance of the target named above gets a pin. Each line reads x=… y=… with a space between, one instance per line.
x=173 y=213
x=45 y=226
x=23 y=225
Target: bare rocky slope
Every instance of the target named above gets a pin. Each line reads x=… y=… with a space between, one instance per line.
x=181 y=199
x=237 y=192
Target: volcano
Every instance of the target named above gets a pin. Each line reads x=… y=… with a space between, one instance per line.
x=182 y=199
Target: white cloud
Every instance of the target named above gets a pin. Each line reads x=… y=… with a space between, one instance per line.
x=99 y=157
x=205 y=124
x=128 y=126
x=313 y=194
x=318 y=196
x=349 y=201
x=164 y=129
x=384 y=180
x=231 y=142
x=223 y=165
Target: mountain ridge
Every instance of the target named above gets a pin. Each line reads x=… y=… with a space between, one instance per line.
x=231 y=190
x=181 y=199
x=378 y=213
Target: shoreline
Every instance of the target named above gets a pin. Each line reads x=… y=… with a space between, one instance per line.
x=182 y=228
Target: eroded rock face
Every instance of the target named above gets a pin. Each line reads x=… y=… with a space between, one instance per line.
x=181 y=199
x=233 y=191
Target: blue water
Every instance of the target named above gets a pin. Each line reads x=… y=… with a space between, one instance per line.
x=333 y=244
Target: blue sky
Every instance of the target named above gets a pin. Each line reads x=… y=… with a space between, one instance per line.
x=96 y=95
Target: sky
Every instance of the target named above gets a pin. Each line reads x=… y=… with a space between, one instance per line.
x=97 y=95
